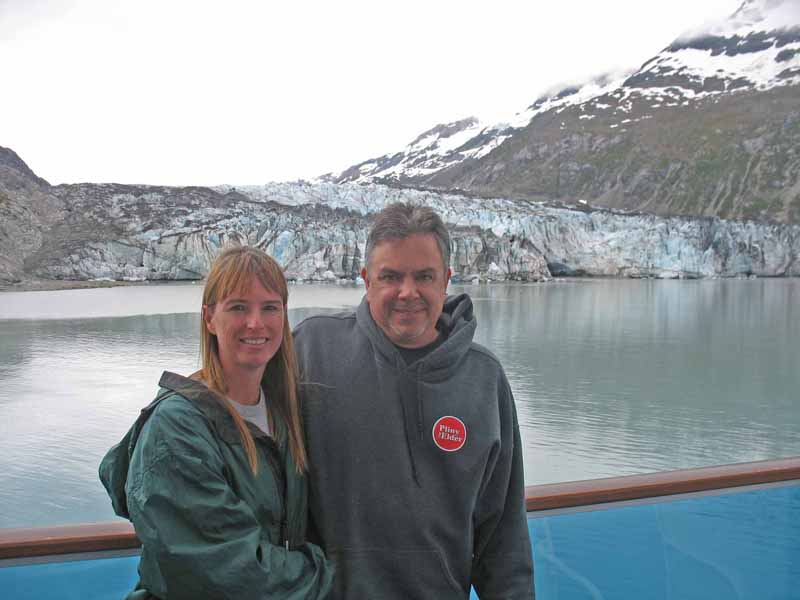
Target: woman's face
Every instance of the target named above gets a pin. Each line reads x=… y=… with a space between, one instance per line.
x=248 y=326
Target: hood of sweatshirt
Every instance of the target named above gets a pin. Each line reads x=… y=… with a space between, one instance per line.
x=456 y=323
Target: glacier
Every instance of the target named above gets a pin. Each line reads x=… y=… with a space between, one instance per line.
x=318 y=231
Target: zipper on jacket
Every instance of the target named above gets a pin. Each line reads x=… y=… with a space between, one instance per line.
x=281 y=484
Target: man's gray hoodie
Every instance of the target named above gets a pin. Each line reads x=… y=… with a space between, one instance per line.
x=416 y=475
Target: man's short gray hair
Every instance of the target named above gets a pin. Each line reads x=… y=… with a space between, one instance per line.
x=400 y=220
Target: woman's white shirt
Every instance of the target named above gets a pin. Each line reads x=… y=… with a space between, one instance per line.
x=255 y=413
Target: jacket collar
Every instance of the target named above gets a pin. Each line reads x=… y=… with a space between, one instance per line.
x=210 y=404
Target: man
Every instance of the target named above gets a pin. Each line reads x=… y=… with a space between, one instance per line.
x=416 y=474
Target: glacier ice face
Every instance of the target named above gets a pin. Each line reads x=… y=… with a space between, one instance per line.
x=318 y=233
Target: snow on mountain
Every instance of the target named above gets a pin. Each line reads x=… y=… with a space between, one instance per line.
x=757 y=48
x=451 y=143
x=433 y=150
x=763 y=15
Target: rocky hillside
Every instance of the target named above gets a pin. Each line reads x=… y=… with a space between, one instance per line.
x=710 y=126
x=28 y=208
x=318 y=233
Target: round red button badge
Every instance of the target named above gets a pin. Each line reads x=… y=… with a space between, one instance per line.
x=449 y=433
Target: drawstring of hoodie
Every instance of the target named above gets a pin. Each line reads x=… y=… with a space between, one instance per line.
x=409 y=445
x=419 y=404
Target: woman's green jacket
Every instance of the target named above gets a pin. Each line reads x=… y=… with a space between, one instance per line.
x=210 y=528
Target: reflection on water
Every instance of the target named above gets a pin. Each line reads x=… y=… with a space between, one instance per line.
x=622 y=377
x=69 y=390
x=610 y=377
x=152 y=299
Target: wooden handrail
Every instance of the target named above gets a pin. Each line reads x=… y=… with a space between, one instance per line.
x=654 y=485
x=119 y=535
x=67 y=539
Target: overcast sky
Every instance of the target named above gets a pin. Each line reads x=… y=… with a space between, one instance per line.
x=201 y=93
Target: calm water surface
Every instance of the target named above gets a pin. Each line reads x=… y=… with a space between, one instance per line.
x=611 y=377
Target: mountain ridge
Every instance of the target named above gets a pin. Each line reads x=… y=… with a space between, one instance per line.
x=692 y=88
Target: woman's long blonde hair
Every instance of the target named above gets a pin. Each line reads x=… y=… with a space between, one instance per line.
x=233 y=272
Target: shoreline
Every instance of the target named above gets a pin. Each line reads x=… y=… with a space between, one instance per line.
x=54 y=285
x=51 y=285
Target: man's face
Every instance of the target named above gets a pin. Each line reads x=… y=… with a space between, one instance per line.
x=406 y=284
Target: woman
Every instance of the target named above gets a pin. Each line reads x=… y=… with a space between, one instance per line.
x=212 y=472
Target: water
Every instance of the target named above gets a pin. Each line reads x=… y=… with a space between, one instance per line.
x=611 y=377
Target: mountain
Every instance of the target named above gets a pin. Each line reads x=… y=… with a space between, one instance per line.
x=710 y=126
x=318 y=233
x=28 y=209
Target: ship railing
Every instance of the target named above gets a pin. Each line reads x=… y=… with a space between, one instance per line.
x=728 y=531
